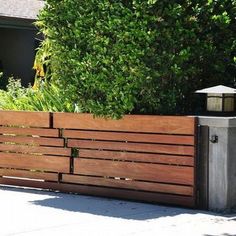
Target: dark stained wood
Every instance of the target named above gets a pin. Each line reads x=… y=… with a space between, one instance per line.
x=57 y=142
x=23 y=118
x=140 y=157
x=57 y=151
x=34 y=162
x=131 y=137
x=128 y=184
x=203 y=168
x=140 y=147
x=130 y=123
x=132 y=170
x=144 y=158
x=30 y=131
x=185 y=201
x=29 y=174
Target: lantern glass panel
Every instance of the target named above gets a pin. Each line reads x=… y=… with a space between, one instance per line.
x=228 y=102
x=215 y=102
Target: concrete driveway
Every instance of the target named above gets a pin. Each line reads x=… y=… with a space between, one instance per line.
x=31 y=212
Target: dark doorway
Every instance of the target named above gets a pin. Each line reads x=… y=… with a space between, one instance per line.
x=17 y=52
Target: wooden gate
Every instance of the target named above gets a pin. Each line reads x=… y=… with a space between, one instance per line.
x=145 y=158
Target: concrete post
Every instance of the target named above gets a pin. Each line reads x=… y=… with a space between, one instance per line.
x=221 y=162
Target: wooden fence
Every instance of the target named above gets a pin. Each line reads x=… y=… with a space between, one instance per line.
x=145 y=158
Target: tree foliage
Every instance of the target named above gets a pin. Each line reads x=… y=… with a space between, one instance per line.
x=114 y=57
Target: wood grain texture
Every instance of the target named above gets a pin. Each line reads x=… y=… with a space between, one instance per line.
x=130 y=123
x=144 y=158
x=138 y=171
x=128 y=184
x=57 y=142
x=30 y=131
x=33 y=162
x=142 y=196
x=29 y=174
x=57 y=151
x=137 y=147
x=24 y=118
x=137 y=157
x=130 y=137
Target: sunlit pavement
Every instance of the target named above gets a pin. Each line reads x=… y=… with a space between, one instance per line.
x=35 y=212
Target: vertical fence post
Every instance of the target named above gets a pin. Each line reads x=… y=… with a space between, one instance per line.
x=202 y=166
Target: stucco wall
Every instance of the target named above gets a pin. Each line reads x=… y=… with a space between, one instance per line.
x=17 y=51
x=221 y=167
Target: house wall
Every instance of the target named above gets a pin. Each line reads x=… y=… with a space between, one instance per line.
x=17 y=51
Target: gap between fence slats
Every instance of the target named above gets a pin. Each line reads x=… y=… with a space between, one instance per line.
x=57 y=151
x=29 y=174
x=138 y=157
x=32 y=140
x=29 y=131
x=139 y=171
x=128 y=184
x=141 y=147
x=130 y=137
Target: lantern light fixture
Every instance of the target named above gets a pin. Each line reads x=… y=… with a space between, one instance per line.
x=219 y=98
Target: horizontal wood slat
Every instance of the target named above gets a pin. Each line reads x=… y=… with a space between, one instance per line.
x=29 y=174
x=138 y=171
x=141 y=147
x=22 y=118
x=138 y=157
x=33 y=162
x=30 y=131
x=131 y=137
x=185 y=201
x=57 y=151
x=130 y=123
x=128 y=184
x=32 y=140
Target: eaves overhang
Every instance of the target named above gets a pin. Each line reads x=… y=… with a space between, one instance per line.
x=17 y=23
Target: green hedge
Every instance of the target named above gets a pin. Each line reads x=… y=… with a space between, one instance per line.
x=113 y=57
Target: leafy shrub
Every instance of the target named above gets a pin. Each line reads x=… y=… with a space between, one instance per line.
x=135 y=56
x=45 y=98
x=116 y=57
x=14 y=97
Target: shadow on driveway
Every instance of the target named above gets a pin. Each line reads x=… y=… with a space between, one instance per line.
x=107 y=207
